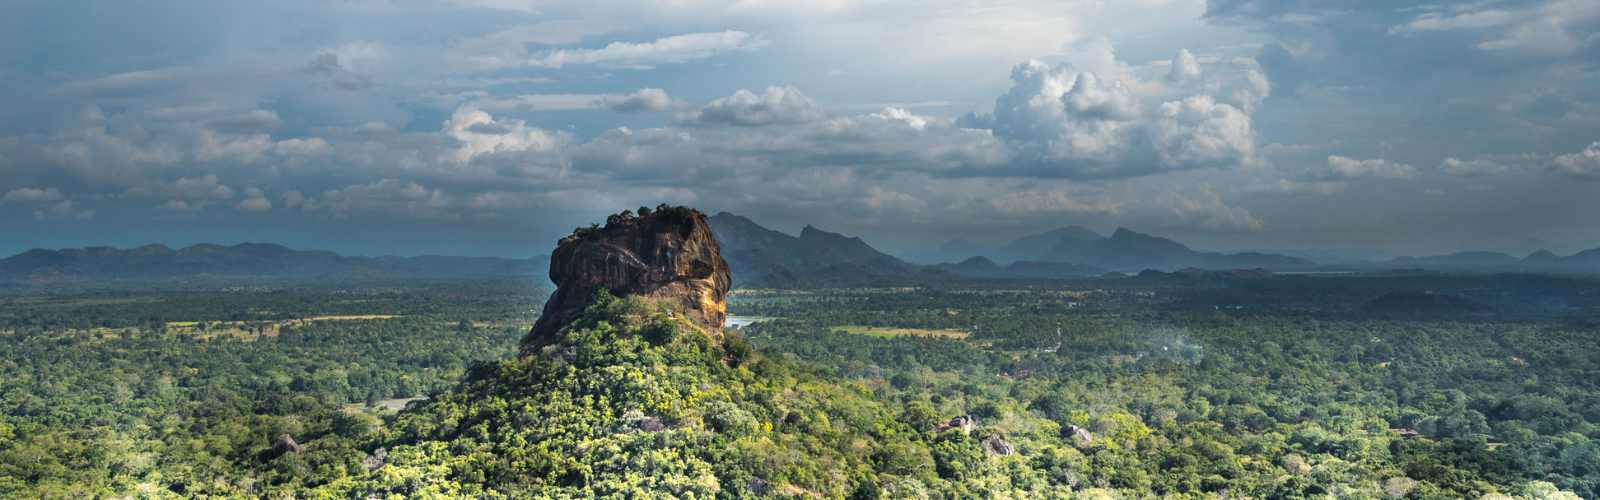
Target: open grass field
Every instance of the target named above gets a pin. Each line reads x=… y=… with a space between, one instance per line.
x=250 y=330
x=889 y=332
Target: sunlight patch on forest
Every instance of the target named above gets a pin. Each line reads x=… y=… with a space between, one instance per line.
x=890 y=332
x=251 y=330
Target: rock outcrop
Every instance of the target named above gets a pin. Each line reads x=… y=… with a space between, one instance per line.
x=999 y=446
x=285 y=444
x=965 y=423
x=667 y=254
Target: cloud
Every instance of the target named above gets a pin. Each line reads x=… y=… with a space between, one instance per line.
x=249 y=121
x=1199 y=132
x=642 y=100
x=1204 y=208
x=129 y=83
x=388 y=197
x=746 y=108
x=461 y=104
x=255 y=201
x=180 y=206
x=479 y=133
x=752 y=140
x=314 y=146
x=1340 y=167
x=646 y=99
x=62 y=210
x=1059 y=116
x=676 y=49
x=544 y=102
x=772 y=146
x=1456 y=20
x=327 y=68
x=1296 y=186
x=91 y=149
x=213 y=146
x=1184 y=67
x=255 y=205
x=293 y=199
x=206 y=187
x=31 y=195
x=1074 y=123
x=1584 y=163
x=49 y=203
x=1052 y=202
x=1473 y=168
x=1548 y=27
x=509 y=47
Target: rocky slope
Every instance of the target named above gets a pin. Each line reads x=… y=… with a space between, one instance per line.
x=668 y=255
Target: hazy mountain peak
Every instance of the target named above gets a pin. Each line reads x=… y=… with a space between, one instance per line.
x=732 y=218
x=1075 y=232
x=1038 y=245
x=1125 y=233
x=756 y=253
x=152 y=249
x=203 y=248
x=811 y=232
x=978 y=261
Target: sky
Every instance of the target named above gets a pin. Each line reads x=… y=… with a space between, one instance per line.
x=493 y=127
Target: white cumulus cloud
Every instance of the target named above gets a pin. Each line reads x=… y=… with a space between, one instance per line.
x=479 y=133
x=1474 y=167
x=1584 y=163
x=676 y=49
x=1070 y=123
x=1340 y=167
x=646 y=99
x=32 y=195
x=255 y=201
x=746 y=108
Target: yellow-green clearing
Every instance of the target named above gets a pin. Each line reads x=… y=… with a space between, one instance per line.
x=250 y=330
x=889 y=331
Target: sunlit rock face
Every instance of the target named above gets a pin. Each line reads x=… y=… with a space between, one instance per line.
x=668 y=255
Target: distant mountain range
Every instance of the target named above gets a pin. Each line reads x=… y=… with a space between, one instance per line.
x=1540 y=261
x=245 y=262
x=758 y=256
x=1125 y=250
x=761 y=255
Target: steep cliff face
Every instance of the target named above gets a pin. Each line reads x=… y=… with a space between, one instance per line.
x=668 y=254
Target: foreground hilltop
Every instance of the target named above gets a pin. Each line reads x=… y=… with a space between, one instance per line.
x=628 y=388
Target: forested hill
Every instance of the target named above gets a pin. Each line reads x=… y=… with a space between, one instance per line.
x=640 y=396
x=245 y=262
x=631 y=402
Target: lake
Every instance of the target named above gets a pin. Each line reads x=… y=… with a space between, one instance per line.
x=735 y=321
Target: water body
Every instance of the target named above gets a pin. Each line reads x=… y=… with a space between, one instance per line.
x=735 y=321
